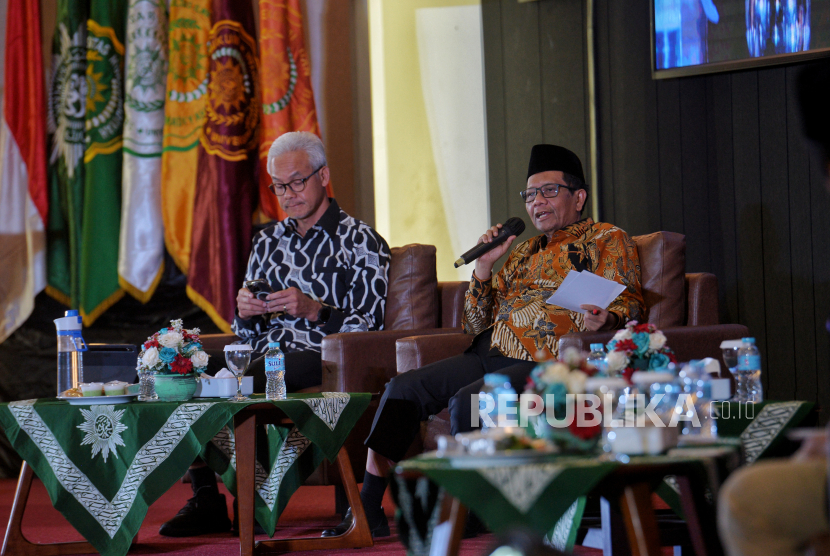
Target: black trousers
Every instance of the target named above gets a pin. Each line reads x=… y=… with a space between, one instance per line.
x=414 y=396
x=303 y=369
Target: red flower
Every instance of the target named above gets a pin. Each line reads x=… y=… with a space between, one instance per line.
x=625 y=345
x=642 y=328
x=627 y=373
x=181 y=365
x=584 y=432
x=151 y=343
x=672 y=356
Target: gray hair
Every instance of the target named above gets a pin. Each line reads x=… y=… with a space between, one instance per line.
x=299 y=141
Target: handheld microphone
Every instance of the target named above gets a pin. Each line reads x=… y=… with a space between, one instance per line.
x=513 y=227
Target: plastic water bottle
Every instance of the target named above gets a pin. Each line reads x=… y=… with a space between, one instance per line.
x=597 y=358
x=274 y=372
x=698 y=384
x=749 y=388
x=71 y=346
x=494 y=385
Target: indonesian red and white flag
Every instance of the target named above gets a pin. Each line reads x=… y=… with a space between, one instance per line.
x=23 y=184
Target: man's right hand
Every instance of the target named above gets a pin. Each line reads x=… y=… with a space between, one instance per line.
x=484 y=264
x=248 y=305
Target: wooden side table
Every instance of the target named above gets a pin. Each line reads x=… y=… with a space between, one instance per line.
x=245 y=423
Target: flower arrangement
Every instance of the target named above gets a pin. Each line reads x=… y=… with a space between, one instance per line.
x=173 y=350
x=638 y=347
x=553 y=381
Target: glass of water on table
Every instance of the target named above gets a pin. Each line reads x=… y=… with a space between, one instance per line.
x=238 y=357
x=730 y=348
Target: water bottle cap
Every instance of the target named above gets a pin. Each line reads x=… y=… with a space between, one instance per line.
x=272 y=345
x=71 y=313
x=597 y=347
x=68 y=324
x=495 y=379
x=748 y=340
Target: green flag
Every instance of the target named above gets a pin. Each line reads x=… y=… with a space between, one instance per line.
x=66 y=110
x=99 y=287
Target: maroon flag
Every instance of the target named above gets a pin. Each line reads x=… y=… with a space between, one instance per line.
x=226 y=188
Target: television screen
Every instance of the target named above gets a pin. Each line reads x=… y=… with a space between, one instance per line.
x=701 y=36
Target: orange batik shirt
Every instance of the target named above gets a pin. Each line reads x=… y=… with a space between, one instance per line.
x=513 y=301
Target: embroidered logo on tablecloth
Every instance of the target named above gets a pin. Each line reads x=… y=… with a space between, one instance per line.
x=109 y=514
x=103 y=428
x=521 y=485
x=558 y=538
x=766 y=426
x=329 y=407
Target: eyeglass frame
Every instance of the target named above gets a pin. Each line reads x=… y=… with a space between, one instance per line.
x=285 y=186
x=536 y=190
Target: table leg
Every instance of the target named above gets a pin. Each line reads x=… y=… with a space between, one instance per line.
x=244 y=425
x=614 y=539
x=640 y=522
x=700 y=518
x=454 y=513
x=16 y=544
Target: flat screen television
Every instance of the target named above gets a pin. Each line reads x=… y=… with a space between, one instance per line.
x=691 y=37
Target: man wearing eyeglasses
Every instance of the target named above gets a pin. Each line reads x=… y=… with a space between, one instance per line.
x=327 y=273
x=508 y=313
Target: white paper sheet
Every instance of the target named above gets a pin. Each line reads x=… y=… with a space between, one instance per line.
x=585 y=288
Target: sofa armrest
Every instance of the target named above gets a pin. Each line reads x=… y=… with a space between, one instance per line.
x=702 y=299
x=217 y=342
x=416 y=351
x=687 y=342
x=362 y=361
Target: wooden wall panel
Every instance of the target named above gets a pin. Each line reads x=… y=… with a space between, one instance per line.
x=719 y=158
x=775 y=215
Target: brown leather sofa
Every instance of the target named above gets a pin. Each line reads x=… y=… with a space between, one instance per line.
x=364 y=361
x=684 y=306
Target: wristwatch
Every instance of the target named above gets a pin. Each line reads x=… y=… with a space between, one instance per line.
x=323 y=316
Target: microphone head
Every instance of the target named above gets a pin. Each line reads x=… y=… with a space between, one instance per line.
x=514 y=225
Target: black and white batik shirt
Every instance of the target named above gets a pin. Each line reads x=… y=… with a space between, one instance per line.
x=341 y=263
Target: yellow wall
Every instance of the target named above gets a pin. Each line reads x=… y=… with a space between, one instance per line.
x=408 y=201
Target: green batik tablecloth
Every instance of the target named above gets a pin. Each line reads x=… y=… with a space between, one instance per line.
x=103 y=465
x=548 y=495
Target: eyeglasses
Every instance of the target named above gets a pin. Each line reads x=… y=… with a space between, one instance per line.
x=548 y=190
x=296 y=186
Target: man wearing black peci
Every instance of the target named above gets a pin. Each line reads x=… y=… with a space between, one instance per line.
x=508 y=313
x=328 y=273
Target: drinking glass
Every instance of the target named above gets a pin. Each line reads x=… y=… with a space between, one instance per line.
x=730 y=348
x=238 y=357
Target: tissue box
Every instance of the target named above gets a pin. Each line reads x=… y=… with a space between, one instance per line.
x=222 y=387
x=642 y=440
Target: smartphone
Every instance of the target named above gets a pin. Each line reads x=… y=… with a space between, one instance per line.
x=260 y=288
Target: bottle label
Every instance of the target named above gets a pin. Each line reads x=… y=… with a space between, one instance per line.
x=749 y=362
x=274 y=363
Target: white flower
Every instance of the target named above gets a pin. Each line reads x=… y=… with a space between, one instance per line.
x=576 y=382
x=556 y=372
x=199 y=359
x=150 y=358
x=572 y=356
x=616 y=360
x=624 y=334
x=656 y=341
x=170 y=339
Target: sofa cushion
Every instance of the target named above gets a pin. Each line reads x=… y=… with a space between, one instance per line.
x=412 y=301
x=663 y=271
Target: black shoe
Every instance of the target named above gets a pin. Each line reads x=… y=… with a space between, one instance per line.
x=205 y=513
x=379 y=529
x=258 y=530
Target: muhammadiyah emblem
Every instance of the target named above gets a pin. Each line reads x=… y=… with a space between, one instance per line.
x=233 y=101
x=105 y=105
x=103 y=429
x=67 y=99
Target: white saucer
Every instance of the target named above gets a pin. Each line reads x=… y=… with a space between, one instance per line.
x=98 y=400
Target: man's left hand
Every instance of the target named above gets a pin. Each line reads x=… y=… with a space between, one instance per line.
x=598 y=318
x=295 y=303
